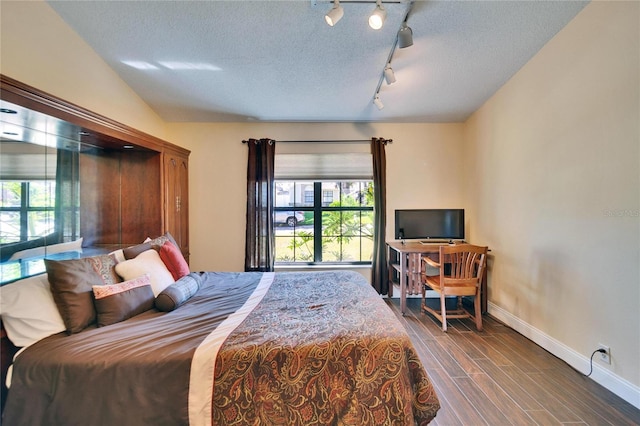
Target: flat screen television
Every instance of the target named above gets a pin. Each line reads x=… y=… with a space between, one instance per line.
x=424 y=224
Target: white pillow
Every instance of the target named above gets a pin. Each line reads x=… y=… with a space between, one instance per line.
x=28 y=311
x=147 y=262
x=51 y=249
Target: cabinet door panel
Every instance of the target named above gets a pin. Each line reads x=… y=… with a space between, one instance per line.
x=99 y=199
x=141 y=199
x=183 y=210
x=177 y=200
x=120 y=198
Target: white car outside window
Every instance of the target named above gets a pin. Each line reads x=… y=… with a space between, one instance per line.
x=291 y=218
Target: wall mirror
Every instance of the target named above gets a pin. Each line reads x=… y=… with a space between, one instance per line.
x=72 y=183
x=39 y=189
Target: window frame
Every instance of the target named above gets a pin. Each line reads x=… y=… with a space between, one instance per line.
x=24 y=243
x=318 y=208
x=24 y=210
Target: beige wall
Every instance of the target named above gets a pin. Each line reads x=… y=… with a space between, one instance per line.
x=554 y=180
x=419 y=154
x=39 y=49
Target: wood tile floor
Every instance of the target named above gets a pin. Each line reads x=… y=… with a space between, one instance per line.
x=498 y=377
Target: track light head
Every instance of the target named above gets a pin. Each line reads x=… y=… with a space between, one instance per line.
x=379 y=14
x=377 y=102
x=335 y=14
x=389 y=75
x=405 y=36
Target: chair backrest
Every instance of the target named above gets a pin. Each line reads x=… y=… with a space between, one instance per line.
x=467 y=263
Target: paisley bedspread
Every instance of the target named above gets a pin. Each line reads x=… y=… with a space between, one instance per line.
x=321 y=348
x=285 y=348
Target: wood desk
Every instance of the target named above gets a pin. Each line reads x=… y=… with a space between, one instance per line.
x=405 y=259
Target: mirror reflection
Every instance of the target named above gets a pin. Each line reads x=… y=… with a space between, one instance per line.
x=39 y=190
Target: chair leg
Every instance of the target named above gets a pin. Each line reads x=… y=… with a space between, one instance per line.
x=478 y=312
x=443 y=309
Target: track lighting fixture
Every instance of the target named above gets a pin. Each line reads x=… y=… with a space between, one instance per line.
x=405 y=36
x=335 y=14
x=404 y=39
x=389 y=75
x=379 y=14
x=377 y=102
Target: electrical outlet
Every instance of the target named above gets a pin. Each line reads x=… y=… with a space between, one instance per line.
x=606 y=356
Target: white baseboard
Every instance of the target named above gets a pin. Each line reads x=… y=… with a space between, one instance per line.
x=621 y=387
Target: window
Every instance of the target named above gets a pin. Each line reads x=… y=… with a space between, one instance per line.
x=344 y=231
x=27 y=210
x=308 y=196
x=39 y=196
x=327 y=197
x=323 y=207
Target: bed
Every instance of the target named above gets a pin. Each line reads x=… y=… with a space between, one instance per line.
x=285 y=348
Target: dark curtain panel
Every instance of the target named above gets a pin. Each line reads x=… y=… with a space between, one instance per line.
x=260 y=243
x=67 y=196
x=379 y=275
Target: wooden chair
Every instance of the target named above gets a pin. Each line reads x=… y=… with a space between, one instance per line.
x=461 y=269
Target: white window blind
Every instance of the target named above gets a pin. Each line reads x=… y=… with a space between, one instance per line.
x=22 y=161
x=322 y=161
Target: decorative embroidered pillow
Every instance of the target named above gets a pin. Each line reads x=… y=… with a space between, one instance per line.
x=118 y=302
x=179 y=292
x=148 y=262
x=71 y=284
x=173 y=260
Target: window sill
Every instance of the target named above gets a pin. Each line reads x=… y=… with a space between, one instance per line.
x=319 y=267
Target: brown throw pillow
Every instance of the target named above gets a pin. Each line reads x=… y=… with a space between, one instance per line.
x=156 y=243
x=118 y=302
x=71 y=283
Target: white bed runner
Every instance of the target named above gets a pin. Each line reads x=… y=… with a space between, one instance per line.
x=203 y=363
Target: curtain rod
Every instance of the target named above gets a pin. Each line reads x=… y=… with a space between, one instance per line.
x=333 y=141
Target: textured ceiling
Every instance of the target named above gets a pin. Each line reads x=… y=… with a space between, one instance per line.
x=280 y=61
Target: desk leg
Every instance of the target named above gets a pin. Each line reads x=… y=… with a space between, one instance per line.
x=389 y=272
x=403 y=282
